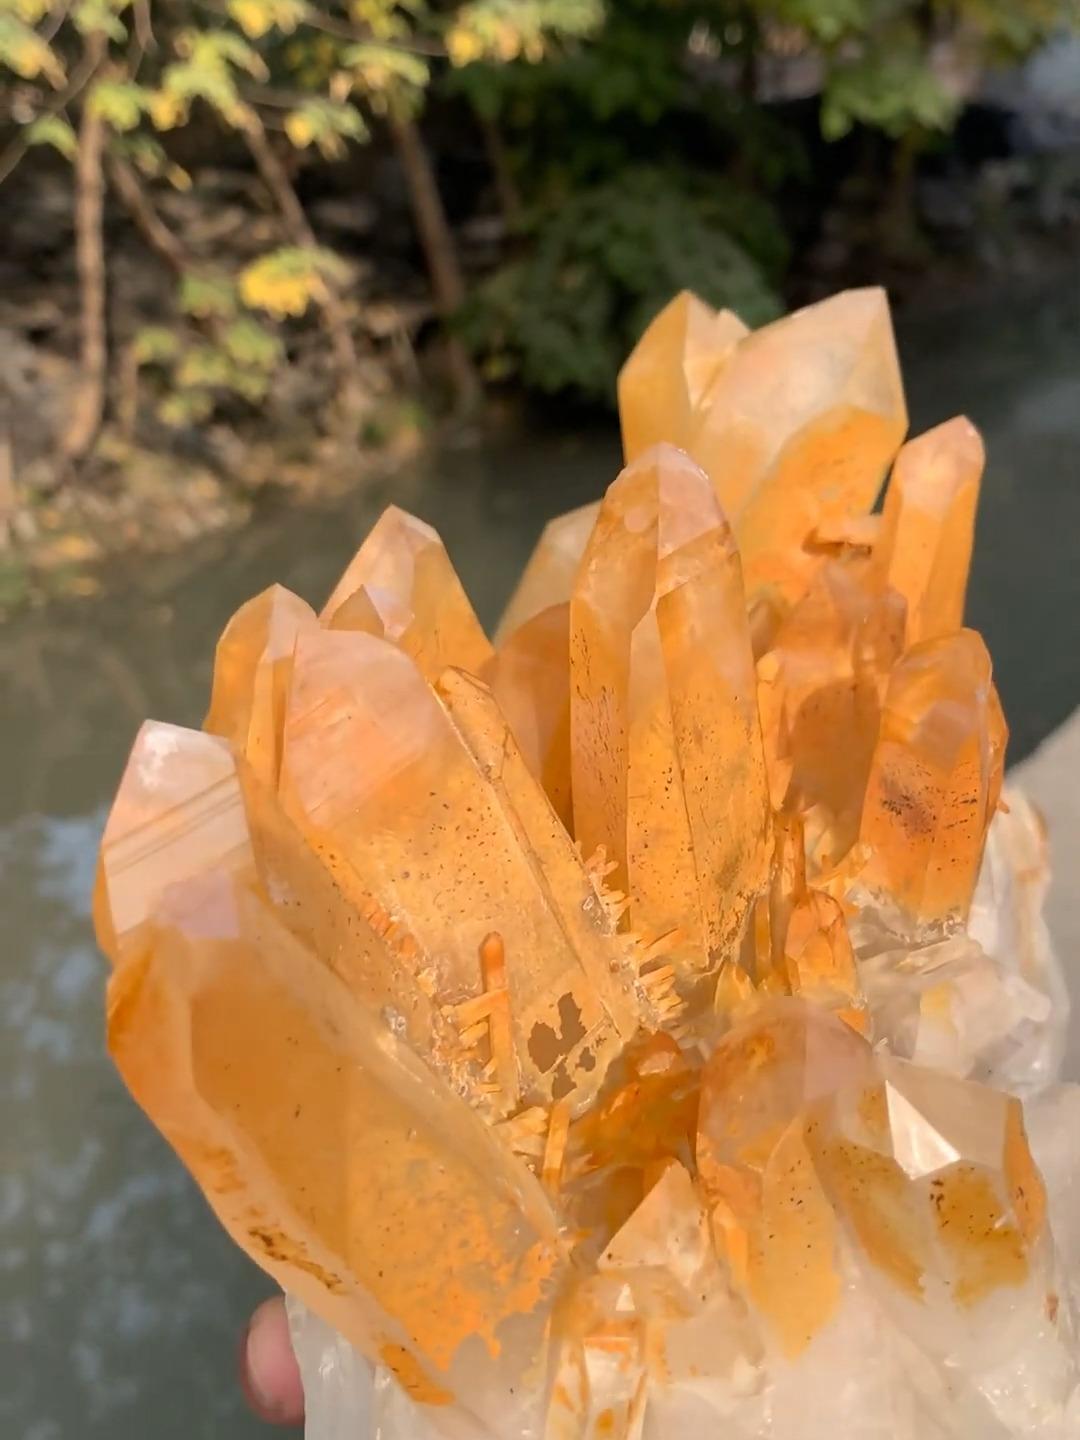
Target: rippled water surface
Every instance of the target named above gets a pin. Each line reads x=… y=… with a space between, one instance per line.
x=124 y=1299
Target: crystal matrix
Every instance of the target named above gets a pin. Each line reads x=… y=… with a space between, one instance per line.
x=616 y=1029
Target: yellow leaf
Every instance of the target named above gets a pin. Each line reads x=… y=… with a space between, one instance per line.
x=254 y=19
x=166 y=110
x=464 y=46
x=299 y=129
x=262 y=288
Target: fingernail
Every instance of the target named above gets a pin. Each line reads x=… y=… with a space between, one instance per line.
x=257 y=1360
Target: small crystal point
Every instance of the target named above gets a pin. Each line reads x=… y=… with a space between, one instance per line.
x=252 y=668
x=412 y=586
x=929 y=526
x=663 y=383
x=177 y=814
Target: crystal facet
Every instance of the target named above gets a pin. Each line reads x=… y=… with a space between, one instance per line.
x=618 y=1032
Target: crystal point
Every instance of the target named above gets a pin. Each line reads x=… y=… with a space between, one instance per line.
x=929 y=526
x=666 y=752
x=676 y=361
x=413 y=589
x=934 y=777
x=796 y=431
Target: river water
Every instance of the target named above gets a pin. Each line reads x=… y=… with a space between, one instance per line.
x=121 y=1299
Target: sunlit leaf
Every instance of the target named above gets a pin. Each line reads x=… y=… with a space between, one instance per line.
x=99 y=17
x=119 y=103
x=167 y=109
x=326 y=125
x=286 y=281
x=385 y=73
x=503 y=30
x=53 y=130
x=29 y=11
x=25 y=52
x=388 y=19
x=258 y=17
x=206 y=72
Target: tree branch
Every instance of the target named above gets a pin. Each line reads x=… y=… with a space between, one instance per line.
x=148 y=222
x=334 y=315
x=88 y=408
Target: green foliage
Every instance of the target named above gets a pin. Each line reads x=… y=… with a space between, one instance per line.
x=23 y=51
x=100 y=17
x=208 y=295
x=504 y=30
x=156 y=344
x=326 y=124
x=387 y=76
x=207 y=71
x=252 y=346
x=120 y=103
x=889 y=88
x=826 y=21
x=600 y=266
x=1011 y=29
x=55 y=131
x=196 y=374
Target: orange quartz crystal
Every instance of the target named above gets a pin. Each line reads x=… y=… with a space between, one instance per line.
x=507 y=999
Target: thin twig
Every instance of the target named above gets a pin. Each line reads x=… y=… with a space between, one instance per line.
x=144 y=27
x=155 y=232
x=55 y=20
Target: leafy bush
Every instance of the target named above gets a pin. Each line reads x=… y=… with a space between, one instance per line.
x=600 y=265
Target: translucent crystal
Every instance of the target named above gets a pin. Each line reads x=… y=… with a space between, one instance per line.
x=929 y=526
x=935 y=778
x=409 y=584
x=797 y=429
x=666 y=753
x=617 y=1032
x=548 y=578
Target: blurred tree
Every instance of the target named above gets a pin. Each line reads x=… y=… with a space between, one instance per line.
x=627 y=145
x=98 y=80
x=662 y=188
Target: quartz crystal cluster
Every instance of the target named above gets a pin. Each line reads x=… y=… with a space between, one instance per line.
x=641 y=1024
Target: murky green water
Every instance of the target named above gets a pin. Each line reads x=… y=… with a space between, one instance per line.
x=121 y=1300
